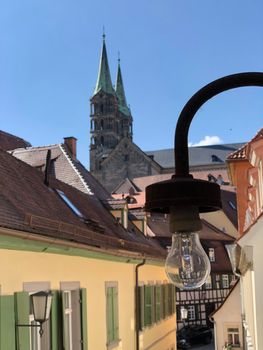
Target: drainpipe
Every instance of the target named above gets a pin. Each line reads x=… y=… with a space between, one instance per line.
x=137 y=305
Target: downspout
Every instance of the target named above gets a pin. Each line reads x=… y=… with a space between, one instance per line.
x=137 y=305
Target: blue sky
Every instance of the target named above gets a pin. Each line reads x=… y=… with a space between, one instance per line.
x=169 y=49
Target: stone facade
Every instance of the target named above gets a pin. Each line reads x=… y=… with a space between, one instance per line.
x=125 y=161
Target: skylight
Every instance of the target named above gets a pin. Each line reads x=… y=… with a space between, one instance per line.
x=70 y=204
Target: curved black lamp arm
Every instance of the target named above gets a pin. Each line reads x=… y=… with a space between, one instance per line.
x=195 y=102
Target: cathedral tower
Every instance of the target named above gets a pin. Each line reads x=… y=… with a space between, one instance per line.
x=110 y=117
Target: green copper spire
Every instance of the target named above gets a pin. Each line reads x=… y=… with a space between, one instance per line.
x=119 y=88
x=104 y=79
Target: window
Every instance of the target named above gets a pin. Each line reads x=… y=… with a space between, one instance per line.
x=74 y=315
x=191 y=312
x=208 y=282
x=225 y=281
x=211 y=254
x=69 y=203
x=232 y=205
x=233 y=337
x=112 y=313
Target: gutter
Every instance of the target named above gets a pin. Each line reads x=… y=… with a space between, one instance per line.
x=137 y=305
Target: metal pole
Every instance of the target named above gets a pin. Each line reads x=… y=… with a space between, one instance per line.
x=195 y=102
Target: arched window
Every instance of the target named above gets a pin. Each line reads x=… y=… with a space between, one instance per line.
x=102 y=140
x=101 y=124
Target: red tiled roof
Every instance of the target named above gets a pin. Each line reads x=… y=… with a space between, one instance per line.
x=9 y=142
x=242 y=152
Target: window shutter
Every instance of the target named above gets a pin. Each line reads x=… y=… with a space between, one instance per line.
x=158 y=301
x=56 y=321
x=84 y=324
x=115 y=314
x=173 y=299
x=109 y=314
x=147 y=305
x=22 y=317
x=7 y=323
x=141 y=312
x=165 y=300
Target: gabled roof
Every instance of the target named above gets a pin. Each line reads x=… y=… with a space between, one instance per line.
x=104 y=78
x=119 y=88
x=198 y=156
x=28 y=205
x=64 y=168
x=126 y=140
x=242 y=152
x=9 y=142
x=125 y=186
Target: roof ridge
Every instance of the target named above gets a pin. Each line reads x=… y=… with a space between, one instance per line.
x=35 y=148
x=75 y=169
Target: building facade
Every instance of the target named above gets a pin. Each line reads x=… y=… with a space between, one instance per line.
x=246 y=172
x=103 y=277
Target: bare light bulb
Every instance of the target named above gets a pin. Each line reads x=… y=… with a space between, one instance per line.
x=187 y=265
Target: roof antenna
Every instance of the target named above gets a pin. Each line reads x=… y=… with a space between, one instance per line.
x=119 y=57
x=47 y=169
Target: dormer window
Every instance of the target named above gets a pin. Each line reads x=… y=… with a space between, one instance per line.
x=215 y=158
x=211 y=254
x=70 y=204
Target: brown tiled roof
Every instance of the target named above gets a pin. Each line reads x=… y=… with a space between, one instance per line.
x=9 y=142
x=26 y=204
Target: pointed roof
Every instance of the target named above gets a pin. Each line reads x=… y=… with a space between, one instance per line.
x=121 y=93
x=104 y=79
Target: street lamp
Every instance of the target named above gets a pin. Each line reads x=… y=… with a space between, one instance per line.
x=41 y=305
x=183 y=197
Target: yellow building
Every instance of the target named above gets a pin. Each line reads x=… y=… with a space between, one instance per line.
x=108 y=283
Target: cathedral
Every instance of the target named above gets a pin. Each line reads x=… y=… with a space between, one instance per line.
x=114 y=157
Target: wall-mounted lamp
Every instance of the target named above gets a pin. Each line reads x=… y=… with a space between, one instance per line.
x=184 y=313
x=41 y=305
x=183 y=197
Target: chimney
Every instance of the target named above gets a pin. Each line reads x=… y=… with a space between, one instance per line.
x=71 y=144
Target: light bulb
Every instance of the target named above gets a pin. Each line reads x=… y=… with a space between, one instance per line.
x=187 y=265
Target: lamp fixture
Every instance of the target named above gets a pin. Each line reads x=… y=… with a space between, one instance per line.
x=183 y=197
x=41 y=306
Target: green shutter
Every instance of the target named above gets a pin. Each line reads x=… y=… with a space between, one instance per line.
x=22 y=317
x=141 y=311
x=56 y=321
x=147 y=305
x=173 y=299
x=84 y=324
x=170 y=299
x=7 y=323
x=158 y=301
x=109 y=314
x=165 y=300
x=115 y=314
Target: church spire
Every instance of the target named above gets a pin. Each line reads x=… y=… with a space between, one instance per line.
x=119 y=88
x=104 y=79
